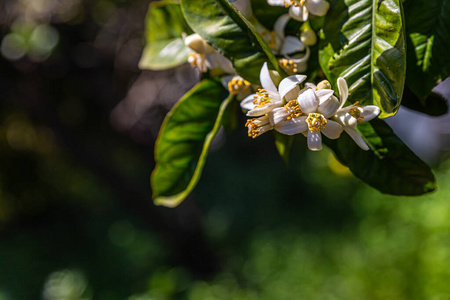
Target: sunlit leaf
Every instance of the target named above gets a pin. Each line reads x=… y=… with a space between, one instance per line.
x=164 y=47
x=183 y=141
x=389 y=166
x=363 y=41
x=428 y=31
x=222 y=26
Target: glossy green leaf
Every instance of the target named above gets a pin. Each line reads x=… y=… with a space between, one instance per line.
x=363 y=41
x=184 y=139
x=428 y=32
x=164 y=46
x=222 y=26
x=389 y=166
x=434 y=104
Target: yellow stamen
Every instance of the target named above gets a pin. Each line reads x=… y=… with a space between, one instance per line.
x=288 y=65
x=197 y=60
x=258 y=126
x=293 y=109
x=270 y=37
x=238 y=85
x=261 y=98
x=316 y=122
x=356 y=111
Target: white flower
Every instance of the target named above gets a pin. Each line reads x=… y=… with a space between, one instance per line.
x=205 y=57
x=353 y=115
x=286 y=45
x=269 y=96
x=300 y=9
x=308 y=114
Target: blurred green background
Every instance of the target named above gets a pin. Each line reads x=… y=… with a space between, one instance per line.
x=78 y=122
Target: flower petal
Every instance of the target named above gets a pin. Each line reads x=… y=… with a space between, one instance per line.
x=299 y=13
x=266 y=80
x=317 y=7
x=247 y=103
x=292 y=126
x=314 y=140
x=357 y=138
x=293 y=94
x=276 y=2
x=280 y=24
x=291 y=44
x=307 y=101
x=256 y=112
x=301 y=62
x=329 y=107
x=324 y=95
x=343 y=90
x=278 y=115
x=289 y=83
x=369 y=112
x=332 y=130
x=344 y=118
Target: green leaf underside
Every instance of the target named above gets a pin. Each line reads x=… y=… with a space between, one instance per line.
x=222 y=26
x=391 y=167
x=428 y=31
x=164 y=46
x=363 y=41
x=184 y=139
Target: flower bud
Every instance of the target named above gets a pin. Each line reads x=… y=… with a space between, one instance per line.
x=198 y=44
x=324 y=84
x=308 y=37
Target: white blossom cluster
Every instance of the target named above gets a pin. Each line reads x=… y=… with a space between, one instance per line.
x=311 y=110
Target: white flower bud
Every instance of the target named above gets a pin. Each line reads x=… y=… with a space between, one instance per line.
x=198 y=44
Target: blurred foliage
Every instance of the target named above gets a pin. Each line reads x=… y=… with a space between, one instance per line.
x=77 y=222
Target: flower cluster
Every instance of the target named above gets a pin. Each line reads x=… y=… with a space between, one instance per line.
x=300 y=9
x=311 y=110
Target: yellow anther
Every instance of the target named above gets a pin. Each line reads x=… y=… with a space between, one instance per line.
x=316 y=122
x=288 y=65
x=356 y=111
x=270 y=37
x=258 y=126
x=261 y=98
x=253 y=131
x=238 y=85
x=302 y=2
x=198 y=60
x=293 y=109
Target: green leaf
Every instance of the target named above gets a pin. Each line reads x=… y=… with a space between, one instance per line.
x=222 y=26
x=183 y=141
x=283 y=144
x=434 y=104
x=267 y=14
x=428 y=37
x=364 y=42
x=164 y=46
x=390 y=166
